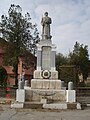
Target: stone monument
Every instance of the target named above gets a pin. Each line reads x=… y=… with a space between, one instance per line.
x=46 y=88
x=46 y=76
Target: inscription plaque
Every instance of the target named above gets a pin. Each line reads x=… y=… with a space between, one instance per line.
x=46 y=58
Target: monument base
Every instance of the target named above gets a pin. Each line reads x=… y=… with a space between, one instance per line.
x=52 y=106
x=50 y=95
x=45 y=84
x=54 y=99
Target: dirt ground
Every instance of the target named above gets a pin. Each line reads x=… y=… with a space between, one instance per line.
x=6 y=113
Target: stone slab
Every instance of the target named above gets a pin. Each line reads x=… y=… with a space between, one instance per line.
x=33 y=105
x=79 y=106
x=33 y=83
x=20 y=95
x=45 y=84
x=35 y=95
x=37 y=74
x=62 y=106
x=43 y=100
x=28 y=95
x=58 y=84
x=55 y=106
x=52 y=84
x=70 y=96
x=27 y=88
x=60 y=95
x=17 y=105
x=54 y=74
x=44 y=105
x=39 y=84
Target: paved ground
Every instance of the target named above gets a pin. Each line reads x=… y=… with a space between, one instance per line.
x=6 y=113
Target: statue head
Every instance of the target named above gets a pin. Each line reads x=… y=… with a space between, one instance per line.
x=46 y=13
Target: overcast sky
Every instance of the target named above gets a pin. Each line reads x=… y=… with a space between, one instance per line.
x=70 y=19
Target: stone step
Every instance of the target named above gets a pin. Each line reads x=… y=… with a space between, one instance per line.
x=33 y=105
x=52 y=106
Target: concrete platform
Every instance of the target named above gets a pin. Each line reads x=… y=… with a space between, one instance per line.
x=62 y=106
x=52 y=106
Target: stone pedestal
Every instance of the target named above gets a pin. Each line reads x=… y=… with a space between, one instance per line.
x=71 y=96
x=20 y=95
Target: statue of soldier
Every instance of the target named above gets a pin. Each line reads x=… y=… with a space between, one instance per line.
x=45 y=22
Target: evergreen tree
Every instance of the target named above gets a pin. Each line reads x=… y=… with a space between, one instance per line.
x=74 y=56
x=20 y=34
x=60 y=60
x=80 y=58
x=84 y=60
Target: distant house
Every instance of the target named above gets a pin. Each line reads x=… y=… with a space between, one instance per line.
x=27 y=71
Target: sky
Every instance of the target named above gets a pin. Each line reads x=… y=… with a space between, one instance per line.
x=70 y=20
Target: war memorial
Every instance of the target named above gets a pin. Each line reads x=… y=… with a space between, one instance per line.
x=46 y=91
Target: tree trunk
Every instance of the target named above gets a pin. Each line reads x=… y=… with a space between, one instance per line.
x=16 y=74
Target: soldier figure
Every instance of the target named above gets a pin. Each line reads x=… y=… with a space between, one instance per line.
x=45 y=22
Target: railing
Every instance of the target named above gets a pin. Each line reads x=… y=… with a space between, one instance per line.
x=83 y=95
